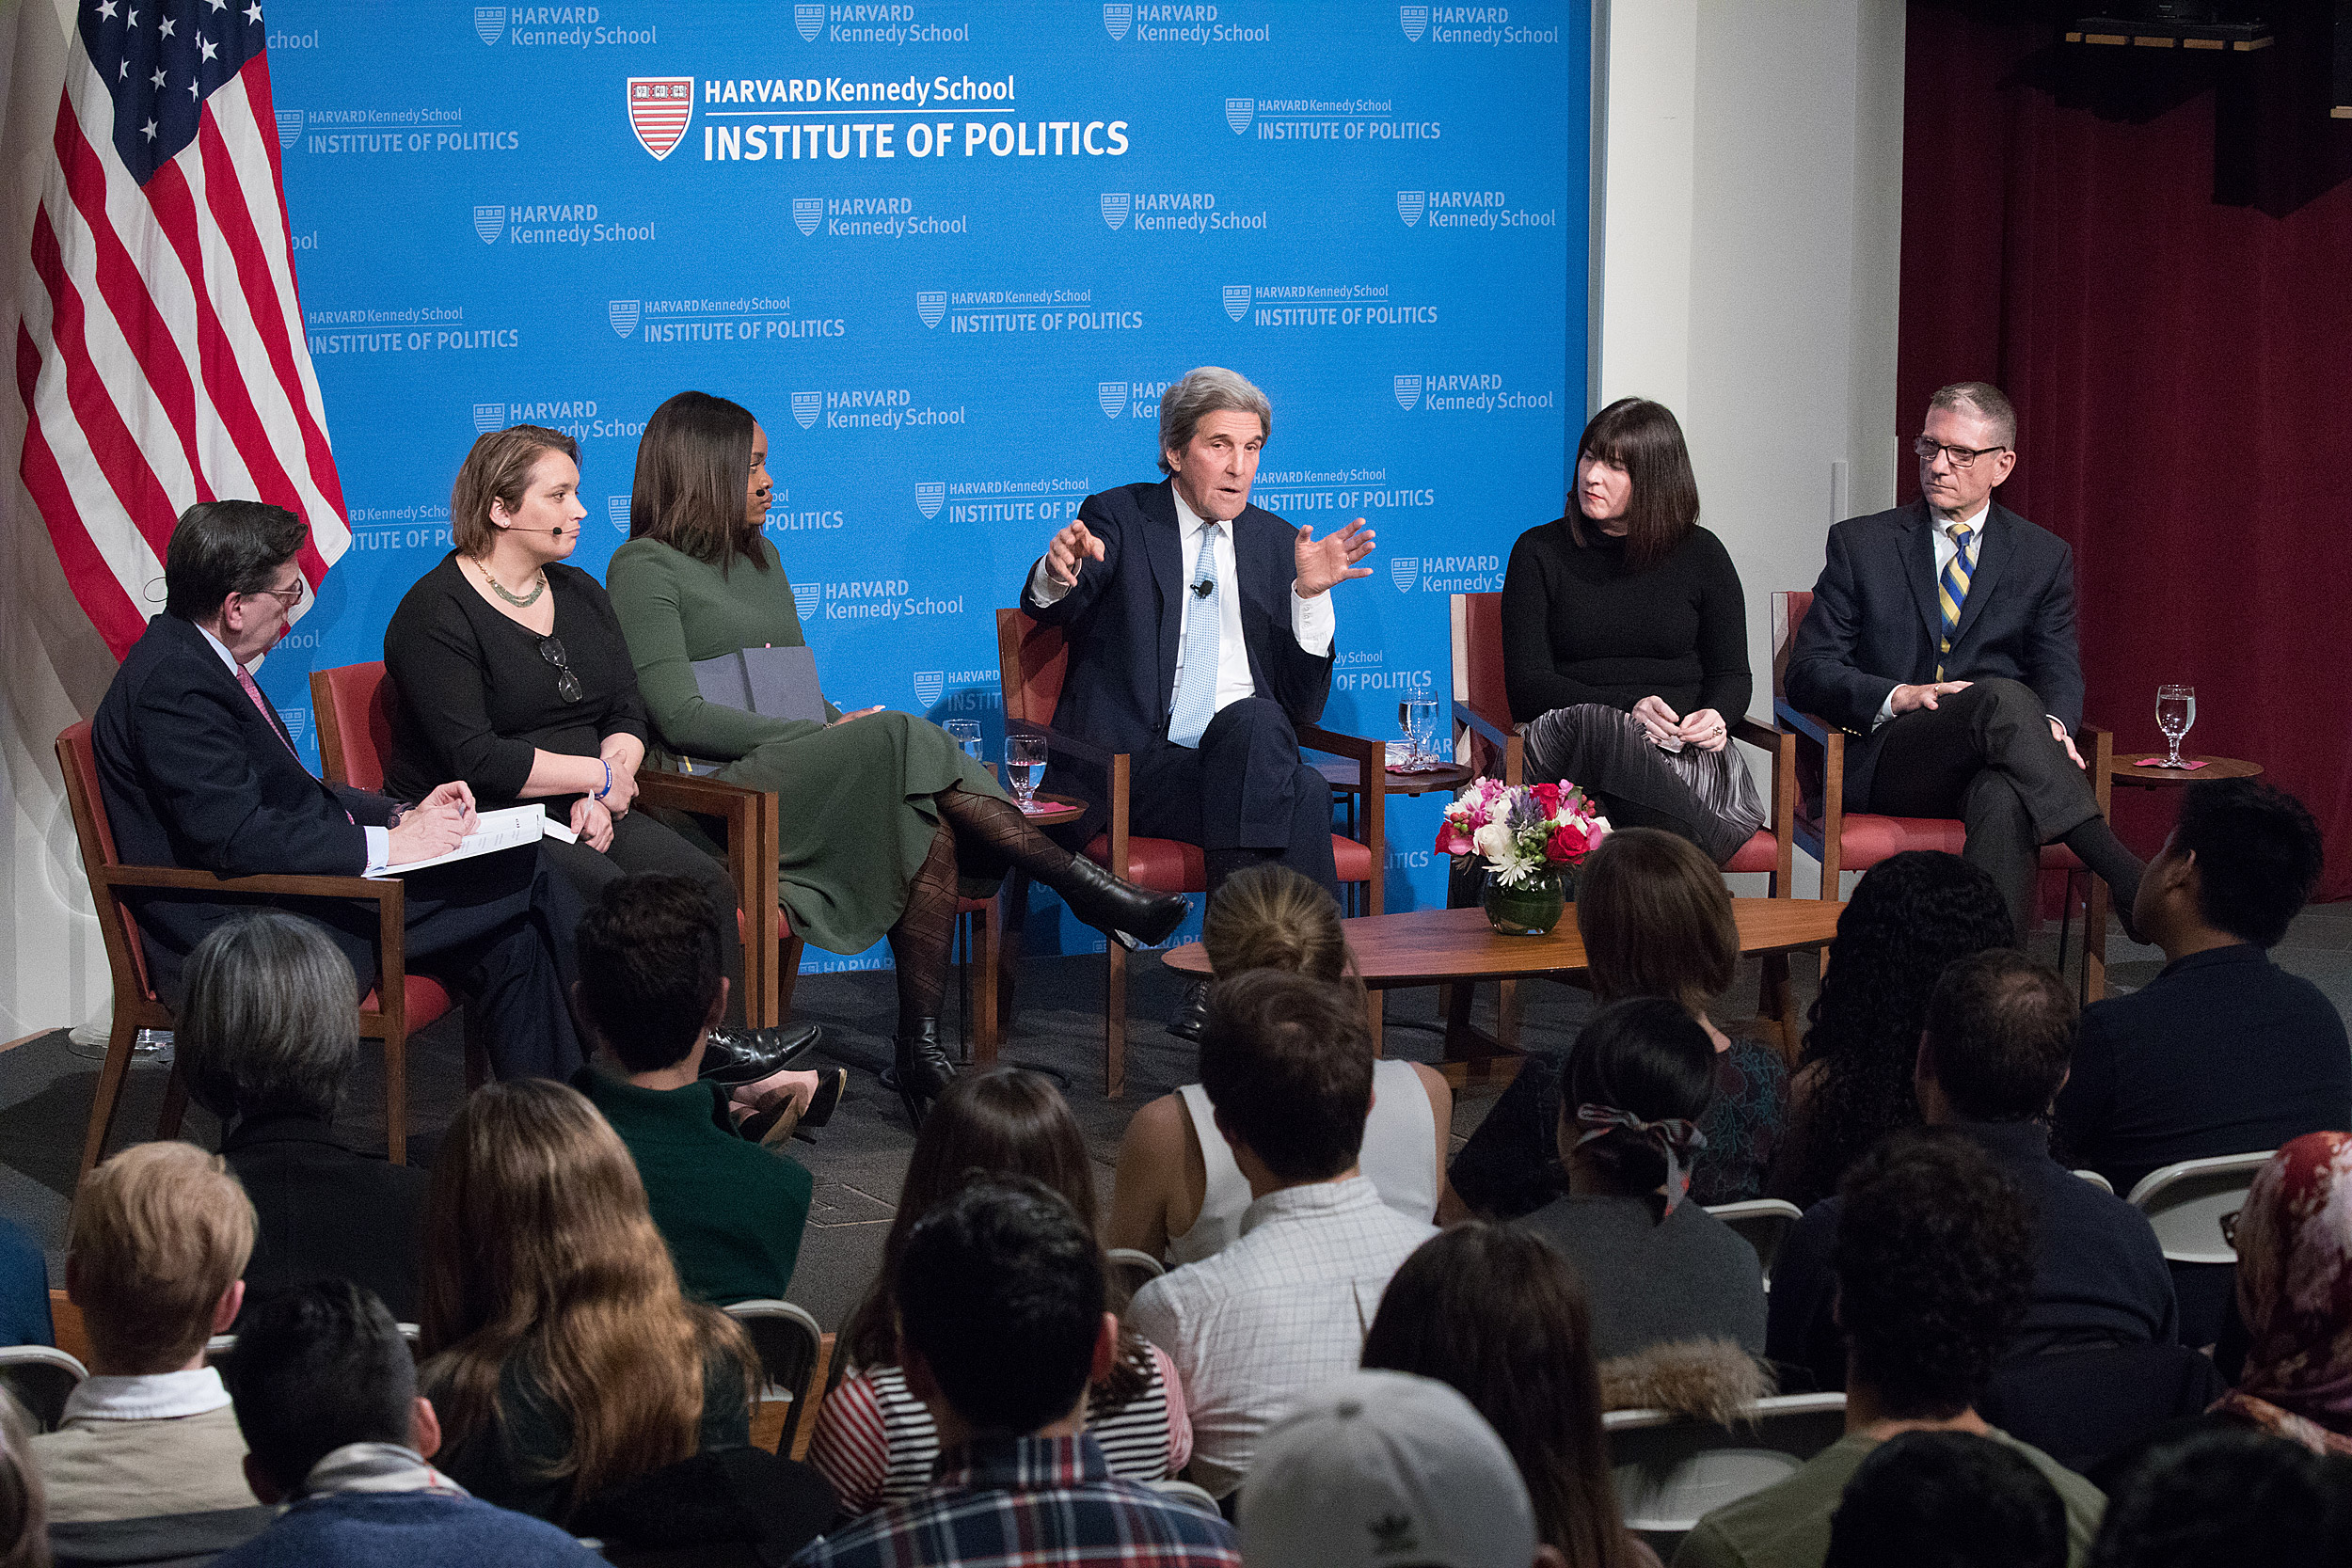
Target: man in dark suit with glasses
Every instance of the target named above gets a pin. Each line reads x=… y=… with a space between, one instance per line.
x=197 y=771
x=1942 y=639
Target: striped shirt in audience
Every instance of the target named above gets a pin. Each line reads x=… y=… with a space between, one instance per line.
x=875 y=1444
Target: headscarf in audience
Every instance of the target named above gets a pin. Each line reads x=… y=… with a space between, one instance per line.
x=2294 y=1241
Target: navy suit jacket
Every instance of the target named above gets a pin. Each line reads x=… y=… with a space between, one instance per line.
x=1875 y=624
x=195 y=775
x=1123 y=615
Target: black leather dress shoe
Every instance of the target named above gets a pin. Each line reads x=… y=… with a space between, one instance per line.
x=1129 y=915
x=734 y=1057
x=1192 y=1014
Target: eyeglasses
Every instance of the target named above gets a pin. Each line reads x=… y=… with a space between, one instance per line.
x=287 y=597
x=2228 y=1228
x=1962 y=457
x=567 y=683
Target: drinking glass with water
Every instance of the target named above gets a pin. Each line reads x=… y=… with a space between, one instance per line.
x=2176 y=710
x=967 y=735
x=1024 y=763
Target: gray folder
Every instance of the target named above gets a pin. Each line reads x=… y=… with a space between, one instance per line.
x=778 y=683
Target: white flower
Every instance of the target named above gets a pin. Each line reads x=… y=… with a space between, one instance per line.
x=1493 y=841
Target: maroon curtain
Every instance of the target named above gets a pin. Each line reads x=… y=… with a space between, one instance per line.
x=2153 y=255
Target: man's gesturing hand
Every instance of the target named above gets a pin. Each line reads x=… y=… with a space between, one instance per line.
x=1910 y=697
x=1070 y=549
x=434 y=827
x=1322 y=562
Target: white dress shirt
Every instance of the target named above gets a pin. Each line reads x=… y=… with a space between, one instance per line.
x=379 y=839
x=1274 y=1316
x=1312 y=620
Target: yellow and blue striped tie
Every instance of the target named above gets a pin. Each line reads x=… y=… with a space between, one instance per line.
x=1952 y=590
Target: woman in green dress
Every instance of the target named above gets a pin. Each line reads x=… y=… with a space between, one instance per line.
x=878 y=807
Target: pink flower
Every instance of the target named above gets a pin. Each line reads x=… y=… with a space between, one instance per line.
x=1452 y=839
x=1547 y=799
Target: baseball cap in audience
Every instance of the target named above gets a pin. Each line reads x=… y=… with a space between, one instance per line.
x=1383 y=1470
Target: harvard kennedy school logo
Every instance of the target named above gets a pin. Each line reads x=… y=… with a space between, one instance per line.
x=1117 y=19
x=1238 y=112
x=928 y=685
x=659 y=108
x=1414 y=19
x=623 y=314
x=489 y=23
x=490 y=222
x=1403 y=570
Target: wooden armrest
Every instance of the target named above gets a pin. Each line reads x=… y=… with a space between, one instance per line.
x=1373 y=753
x=686 y=792
x=1756 y=733
x=1059 y=740
x=1812 y=727
x=374 y=889
x=1497 y=730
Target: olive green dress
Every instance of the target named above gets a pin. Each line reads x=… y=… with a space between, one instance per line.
x=857 y=813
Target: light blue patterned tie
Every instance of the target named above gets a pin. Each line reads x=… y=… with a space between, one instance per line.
x=1196 y=683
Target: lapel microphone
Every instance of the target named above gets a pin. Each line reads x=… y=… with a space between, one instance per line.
x=1202 y=589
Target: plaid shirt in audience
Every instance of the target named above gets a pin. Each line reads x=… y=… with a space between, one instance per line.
x=1006 y=1501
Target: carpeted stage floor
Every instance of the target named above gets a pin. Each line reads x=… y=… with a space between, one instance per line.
x=858 y=1159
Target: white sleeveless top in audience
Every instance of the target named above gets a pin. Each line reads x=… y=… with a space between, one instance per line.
x=1400 y=1157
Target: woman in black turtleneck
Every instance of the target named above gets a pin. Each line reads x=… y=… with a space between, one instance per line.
x=1625 y=642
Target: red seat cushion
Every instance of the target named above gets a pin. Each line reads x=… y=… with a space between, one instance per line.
x=1761 y=852
x=1171 y=866
x=428 y=999
x=1871 y=838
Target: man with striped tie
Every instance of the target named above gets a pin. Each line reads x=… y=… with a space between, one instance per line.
x=197 y=771
x=1200 y=632
x=1942 y=639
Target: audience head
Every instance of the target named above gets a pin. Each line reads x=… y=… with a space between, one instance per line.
x=499 y=473
x=1636 y=1083
x=1497 y=1312
x=694 y=480
x=23 y=1514
x=2242 y=859
x=1286 y=1062
x=155 y=1256
x=317 y=1367
x=1948 y=1499
x=1001 y=1306
x=1655 y=920
x=222 y=555
x=270 y=1023
x=1204 y=391
x=2223 y=1498
x=1934 y=1263
x=1999 y=1037
x=1271 y=917
x=1910 y=916
x=538 y=1244
x=1377 y=1469
x=650 y=982
x=2294 y=1241
x=1633 y=467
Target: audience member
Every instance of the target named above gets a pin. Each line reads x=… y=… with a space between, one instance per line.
x=268 y=1038
x=148 y=1446
x=2294 y=1241
x=2220 y=1500
x=1934 y=1271
x=1287 y=1064
x=1377 y=1469
x=1910 y=915
x=1003 y=1329
x=325 y=1395
x=2000 y=1027
x=1497 y=1313
x=649 y=992
x=1948 y=1499
x=876 y=1441
x=23 y=1514
x=2222 y=1052
x=1660 y=1269
x=570 y=1374
x=23 y=1289
x=1656 y=921
x=1178 y=1194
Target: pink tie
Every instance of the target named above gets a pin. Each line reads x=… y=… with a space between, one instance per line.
x=244 y=678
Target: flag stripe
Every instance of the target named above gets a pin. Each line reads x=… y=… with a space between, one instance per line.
x=95 y=586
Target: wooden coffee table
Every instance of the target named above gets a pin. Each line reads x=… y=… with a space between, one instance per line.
x=2125 y=769
x=1429 y=948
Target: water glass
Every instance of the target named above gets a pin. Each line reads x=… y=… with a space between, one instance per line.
x=1024 y=762
x=1421 y=723
x=967 y=736
x=2176 y=710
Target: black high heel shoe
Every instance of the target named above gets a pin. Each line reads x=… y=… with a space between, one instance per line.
x=1132 y=916
x=921 y=1071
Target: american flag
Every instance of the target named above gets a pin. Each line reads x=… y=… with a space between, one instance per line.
x=161 y=355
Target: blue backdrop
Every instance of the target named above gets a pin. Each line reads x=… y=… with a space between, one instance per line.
x=949 y=252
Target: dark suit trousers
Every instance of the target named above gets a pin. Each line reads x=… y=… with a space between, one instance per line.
x=1245 y=795
x=642 y=844
x=1986 y=755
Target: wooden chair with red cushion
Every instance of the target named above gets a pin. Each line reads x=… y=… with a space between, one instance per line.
x=1482 y=717
x=1846 y=840
x=1032 y=661
x=401 y=1004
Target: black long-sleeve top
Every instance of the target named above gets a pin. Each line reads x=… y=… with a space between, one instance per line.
x=477 y=697
x=1579 y=628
